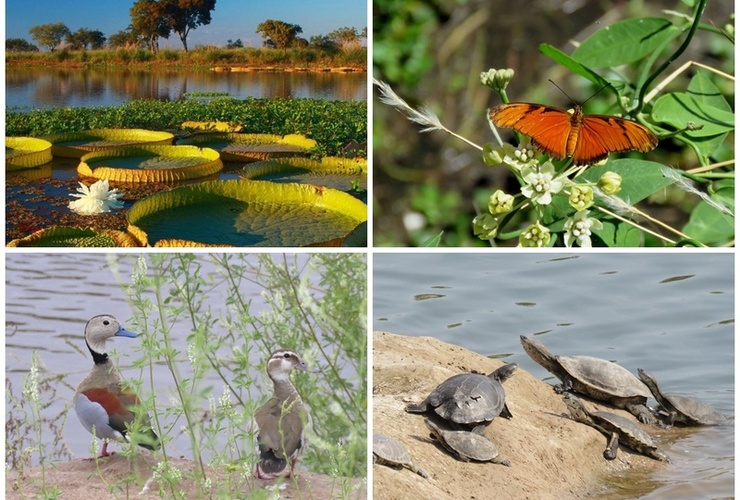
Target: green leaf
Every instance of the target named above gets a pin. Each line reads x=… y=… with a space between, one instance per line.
x=607 y=233
x=628 y=235
x=704 y=105
x=625 y=42
x=679 y=108
x=709 y=225
x=434 y=241
x=576 y=67
x=640 y=178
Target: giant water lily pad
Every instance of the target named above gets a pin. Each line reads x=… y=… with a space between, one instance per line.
x=58 y=236
x=246 y=213
x=216 y=126
x=344 y=174
x=150 y=163
x=76 y=144
x=26 y=152
x=252 y=147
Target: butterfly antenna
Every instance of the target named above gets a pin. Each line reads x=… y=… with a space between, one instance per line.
x=571 y=99
x=563 y=91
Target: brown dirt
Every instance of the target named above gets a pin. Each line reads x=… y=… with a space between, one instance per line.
x=551 y=456
x=111 y=478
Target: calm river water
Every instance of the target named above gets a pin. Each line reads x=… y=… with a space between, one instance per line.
x=671 y=314
x=27 y=88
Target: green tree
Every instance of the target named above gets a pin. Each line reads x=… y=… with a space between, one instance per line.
x=238 y=44
x=323 y=42
x=19 y=45
x=345 y=37
x=124 y=39
x=148 y=22
x=80 y=39
x=49 y=35
x=278 y=34
x=184 y=15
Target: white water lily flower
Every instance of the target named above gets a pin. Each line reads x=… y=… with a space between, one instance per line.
x=96 y=199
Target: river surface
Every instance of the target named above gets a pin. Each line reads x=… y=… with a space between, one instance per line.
x=27 y=88
x=49 y=299
x=671 y=314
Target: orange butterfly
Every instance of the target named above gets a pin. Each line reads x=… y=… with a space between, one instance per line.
x=586 y=138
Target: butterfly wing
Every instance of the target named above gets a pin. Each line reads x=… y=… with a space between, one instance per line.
x=595 y=136
x=600 y=135
x=548 y=127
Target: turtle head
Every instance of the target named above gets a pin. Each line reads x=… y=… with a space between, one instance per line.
x=576 y=408
x=539 y=353
x=434 y=428
x=504 y=372
x=646 y=378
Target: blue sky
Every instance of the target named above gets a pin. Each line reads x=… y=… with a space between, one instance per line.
x=231 y=19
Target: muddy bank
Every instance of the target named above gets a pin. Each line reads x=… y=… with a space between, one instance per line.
x=109 y=478
x=551 y=456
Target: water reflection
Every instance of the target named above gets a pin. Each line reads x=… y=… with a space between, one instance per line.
x=44 y=87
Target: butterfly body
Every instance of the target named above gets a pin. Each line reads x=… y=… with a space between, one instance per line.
x=559 y=133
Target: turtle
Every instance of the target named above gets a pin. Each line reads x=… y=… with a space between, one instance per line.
x=469 y=401
x=466 y=445
x=616 y=428
x=682 y=409
x=594 y=377
x=389 y=451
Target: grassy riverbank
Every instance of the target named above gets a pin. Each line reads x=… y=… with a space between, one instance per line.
x=333 y=124
x=200 y=57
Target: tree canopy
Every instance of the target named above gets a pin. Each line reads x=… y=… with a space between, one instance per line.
x=151 y=19
x=345 y=37
x=148 y=22
x=80 y=39
x=185 y=15
x=49 y=35
x=19 y=45
x=278 y=34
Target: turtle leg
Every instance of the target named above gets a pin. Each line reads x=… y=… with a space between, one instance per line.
x=610 y=453
x=418 y=470
x=670 y=419
x=565 y=386
x=501 y=461
x=658 y=456
x=505 y=412
x=420 y=408
x=642 y=412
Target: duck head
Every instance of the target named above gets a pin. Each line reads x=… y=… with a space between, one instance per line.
x=98 y=330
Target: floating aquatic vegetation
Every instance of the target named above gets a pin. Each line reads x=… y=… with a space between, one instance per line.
x=252 y=147
x=344 y=174
x=26 y=152
x=151 y=163
x=76 y=144
x=59 y=236
x=246 y=213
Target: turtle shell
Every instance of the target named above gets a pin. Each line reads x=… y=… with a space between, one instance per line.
x=464 y=444
x=387 y=450
x=602 y=379
x=467 y=398
x=689 y=411
x=390 y=450
x=630 y=435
